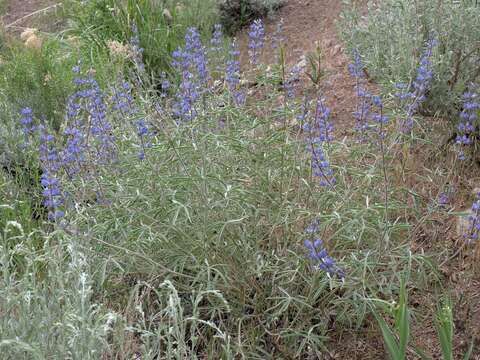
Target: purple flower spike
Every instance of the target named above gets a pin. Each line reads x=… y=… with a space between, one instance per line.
x=143 y=134
x=369 y=109
x=232 y=76
x=137 y=49
x=28 y=125
x=319 y=133
x=318 y=252
x=51 y=163
x=191 y=63
x=468 y=117
x=473 y=229
x=256 y=41
x=420 y=86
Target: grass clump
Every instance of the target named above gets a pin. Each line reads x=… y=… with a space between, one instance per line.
x=47 y=308
x=37 y=78
x=161 y=25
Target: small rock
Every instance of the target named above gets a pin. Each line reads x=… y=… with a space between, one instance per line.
x=463 y=223
x=28 y=32
x=337 y=49
x=34 y=42
x=293 y=122
x=302 y=64
x=179 y=8
x=341 y=63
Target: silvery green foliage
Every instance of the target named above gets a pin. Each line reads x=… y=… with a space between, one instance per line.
x=47 y=309
x=392 y=36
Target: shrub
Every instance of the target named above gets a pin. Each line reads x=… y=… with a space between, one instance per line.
x=214 y=221
x=391 y=40
x=235 y=14
x=46 y=299
x=202 y=214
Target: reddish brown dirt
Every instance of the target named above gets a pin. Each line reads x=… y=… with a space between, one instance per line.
x=17 y=11
x=306 y=24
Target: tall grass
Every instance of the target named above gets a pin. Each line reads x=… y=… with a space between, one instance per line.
x=161 y=25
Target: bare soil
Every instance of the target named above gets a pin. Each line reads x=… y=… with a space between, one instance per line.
x=306 y=25
x=20 y=14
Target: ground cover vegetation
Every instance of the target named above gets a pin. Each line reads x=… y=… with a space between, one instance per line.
x=159 y=202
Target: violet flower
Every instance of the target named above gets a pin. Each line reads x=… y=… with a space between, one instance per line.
x=51 y=163
x=256 y=41
x=415 y=97
x=473 y=230
x=468 y=117
x=319 y=133
x=319 y=254
x=232 y=76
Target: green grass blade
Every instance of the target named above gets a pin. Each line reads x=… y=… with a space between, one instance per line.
x=420 y=353
x=468 y=354
x=444 y=324
x=403 y=321
x=389 y=338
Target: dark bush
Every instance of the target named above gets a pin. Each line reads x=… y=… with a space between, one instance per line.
x=235 y=14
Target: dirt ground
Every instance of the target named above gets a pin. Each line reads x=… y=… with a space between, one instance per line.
x=20 y=14
x=306 y=25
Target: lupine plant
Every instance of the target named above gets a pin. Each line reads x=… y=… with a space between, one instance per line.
x=28 y=124
x=473 y=230
x=256 y=36
x=319 y=133
x=216 y=51
x=199 y=247
x=52 y=191
x=362 y=111
x=414 y=94
x=468 y=120
x=137 y=50
x=277 y=41
x=369 y=112
x=232 y=75
x=191 y=63
x=318 y=253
